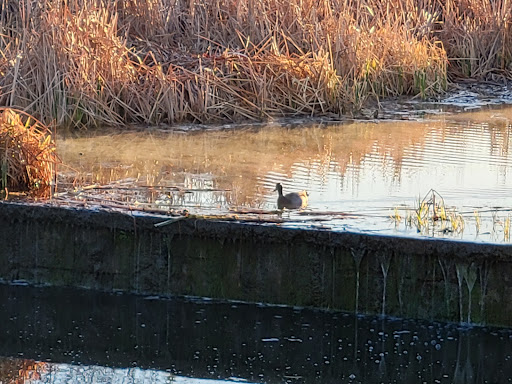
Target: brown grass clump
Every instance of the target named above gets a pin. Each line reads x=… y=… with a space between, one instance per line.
x=27 y=154
x=95 y=62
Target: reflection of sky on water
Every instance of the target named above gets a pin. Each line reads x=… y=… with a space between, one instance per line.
x=365 y=168
x=466 y=163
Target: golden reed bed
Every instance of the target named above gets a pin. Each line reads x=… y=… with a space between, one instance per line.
x=28 y=157
x=96 y=62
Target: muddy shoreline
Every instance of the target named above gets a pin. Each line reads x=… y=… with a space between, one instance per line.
x=105 y=250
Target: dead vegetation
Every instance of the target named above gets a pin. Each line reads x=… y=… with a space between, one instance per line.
x=27 y=155
x=97 y=62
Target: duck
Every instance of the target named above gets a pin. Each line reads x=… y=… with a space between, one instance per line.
x=293 y=200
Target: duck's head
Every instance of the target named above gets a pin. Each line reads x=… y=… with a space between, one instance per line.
x=279 y=188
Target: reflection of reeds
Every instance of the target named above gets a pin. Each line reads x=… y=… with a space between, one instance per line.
x=323 y=151
x=27 y=154
x=19 y=371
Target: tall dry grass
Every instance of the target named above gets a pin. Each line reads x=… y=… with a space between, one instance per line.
x=478 y=38
x=94 y=62
x=28 y=158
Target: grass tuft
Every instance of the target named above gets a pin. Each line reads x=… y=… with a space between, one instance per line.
x=27 y=154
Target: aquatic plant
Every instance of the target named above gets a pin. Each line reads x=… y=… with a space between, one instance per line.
x=27 y=154
x=457 y=222
x=431 y=215
x=501 y=226
x=478 y=221
x=506 y=229
x=396 y=216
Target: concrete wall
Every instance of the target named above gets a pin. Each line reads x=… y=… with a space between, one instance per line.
x=430 y=279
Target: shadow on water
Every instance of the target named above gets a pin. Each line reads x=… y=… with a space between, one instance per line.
x=55 y=335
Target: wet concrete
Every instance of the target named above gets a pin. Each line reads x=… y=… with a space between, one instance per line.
x=115 y=251
x=77 y=334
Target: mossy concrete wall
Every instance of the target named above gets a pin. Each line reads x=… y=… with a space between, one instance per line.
x=419 y=278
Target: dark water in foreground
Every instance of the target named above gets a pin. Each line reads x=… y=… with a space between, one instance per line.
x=50 y=335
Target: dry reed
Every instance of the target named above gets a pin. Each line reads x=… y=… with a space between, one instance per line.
x=27 y=154
x=95 y=62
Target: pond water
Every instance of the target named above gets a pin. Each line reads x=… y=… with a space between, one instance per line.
x=55 y=335
x=362 y=176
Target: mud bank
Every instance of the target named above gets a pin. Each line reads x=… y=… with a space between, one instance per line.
x=406 y=277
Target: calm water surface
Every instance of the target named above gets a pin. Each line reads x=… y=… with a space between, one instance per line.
x=369 y=170
x=52 y=335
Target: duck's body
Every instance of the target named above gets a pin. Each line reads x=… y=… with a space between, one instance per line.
x=294 y=200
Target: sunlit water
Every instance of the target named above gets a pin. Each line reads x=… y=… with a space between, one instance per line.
x=55 y=335
x=369 y=170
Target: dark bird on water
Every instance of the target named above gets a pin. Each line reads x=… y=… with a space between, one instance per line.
x=293 y=200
